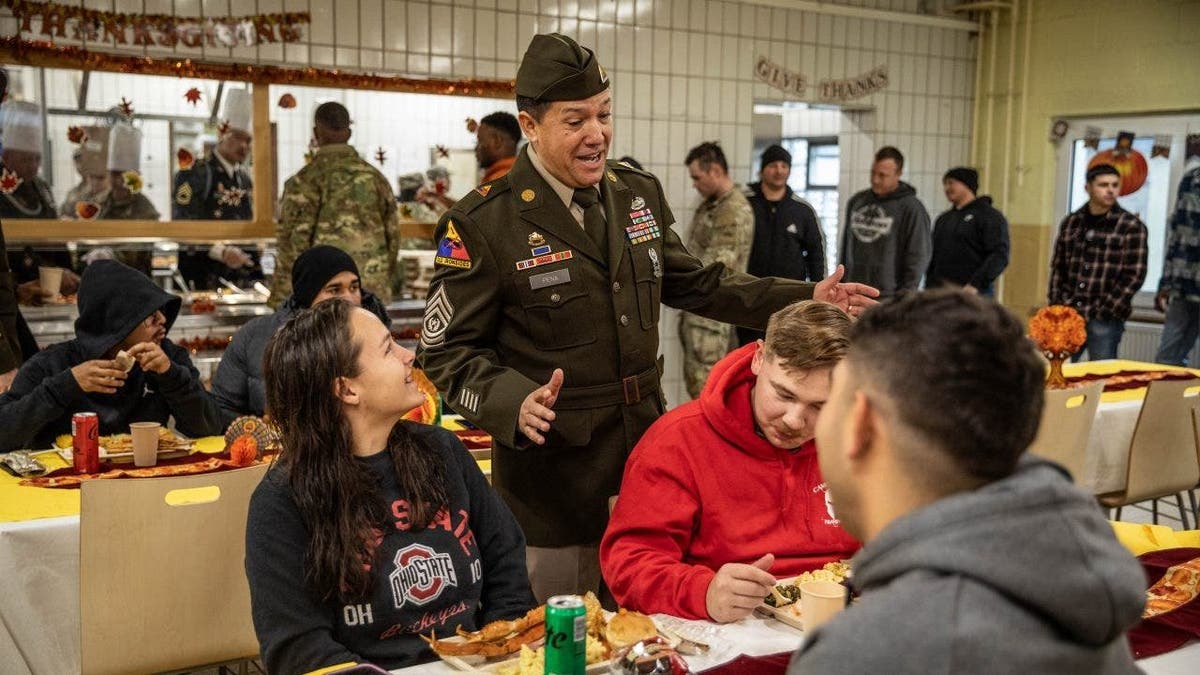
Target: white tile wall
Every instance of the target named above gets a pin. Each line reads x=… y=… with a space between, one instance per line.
x=682 y=73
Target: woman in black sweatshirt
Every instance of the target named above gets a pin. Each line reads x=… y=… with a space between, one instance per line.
x=369 y=531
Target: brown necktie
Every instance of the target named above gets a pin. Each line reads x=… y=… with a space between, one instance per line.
x=593 y=216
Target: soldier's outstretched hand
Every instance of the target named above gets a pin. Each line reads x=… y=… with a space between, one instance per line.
x=536 y=410
x=853 y=298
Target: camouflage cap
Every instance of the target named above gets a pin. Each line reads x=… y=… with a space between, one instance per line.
x=556 y=68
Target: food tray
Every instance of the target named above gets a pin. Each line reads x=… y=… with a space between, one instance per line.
x=788 y=614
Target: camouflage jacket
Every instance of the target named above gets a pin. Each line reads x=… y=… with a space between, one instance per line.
x=722 y=230
x=339 y=200
x=137 y=207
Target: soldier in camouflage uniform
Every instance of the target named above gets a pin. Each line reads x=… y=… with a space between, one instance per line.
x=541 y=325
x=125 y=159
x=339 y=200
x=722 y=230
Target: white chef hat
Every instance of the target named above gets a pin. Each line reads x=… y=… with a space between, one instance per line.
x=94 y=151
x=22 y=126
x=125 y=148
x=239 y=110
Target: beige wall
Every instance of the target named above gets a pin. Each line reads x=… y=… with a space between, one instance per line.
x=1085 y=58
x=682 y=71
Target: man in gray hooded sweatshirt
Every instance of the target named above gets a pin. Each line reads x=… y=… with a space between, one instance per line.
x=977 y=558
x=886 y=243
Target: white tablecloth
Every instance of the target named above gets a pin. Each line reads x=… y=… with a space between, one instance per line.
x=39 y=612
x=39 y=596
x=1108 y=446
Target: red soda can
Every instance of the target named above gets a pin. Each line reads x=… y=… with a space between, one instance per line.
x=85 y=442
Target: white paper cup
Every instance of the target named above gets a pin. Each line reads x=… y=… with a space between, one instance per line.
x=145 y=443
x=50 y=279
x=820 y=601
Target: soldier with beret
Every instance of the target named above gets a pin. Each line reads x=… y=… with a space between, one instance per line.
x=541 y=324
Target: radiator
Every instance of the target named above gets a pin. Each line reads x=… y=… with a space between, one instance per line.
x=1140 y=343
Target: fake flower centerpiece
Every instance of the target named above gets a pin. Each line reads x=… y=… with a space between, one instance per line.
x=1059 y=331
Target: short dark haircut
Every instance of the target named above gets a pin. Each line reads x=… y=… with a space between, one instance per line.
x=890 y=152
x=536 y=109
x=708 y=153
x=960 y=375
x=332 y=115
x=1102 y=170
x=505 y=123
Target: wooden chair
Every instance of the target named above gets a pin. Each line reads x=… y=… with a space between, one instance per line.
x=162 y=578
x=1066 y=424
x=1163 y=460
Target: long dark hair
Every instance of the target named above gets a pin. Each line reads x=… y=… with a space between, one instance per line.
x=338 y=497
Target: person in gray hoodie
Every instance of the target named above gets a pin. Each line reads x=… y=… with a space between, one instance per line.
x=977 y=557
x=886 y=243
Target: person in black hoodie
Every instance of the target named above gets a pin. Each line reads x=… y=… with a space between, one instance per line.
x=369 y=531
x=320 y=273
x=120 y=309
x=970 y=241
x=886 y=241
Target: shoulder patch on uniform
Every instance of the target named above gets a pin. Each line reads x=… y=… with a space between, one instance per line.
x=452 y=252
x=483 y=190
x=183 y=196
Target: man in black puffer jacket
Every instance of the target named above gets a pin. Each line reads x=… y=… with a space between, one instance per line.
x=120 y=309
x=970 y=241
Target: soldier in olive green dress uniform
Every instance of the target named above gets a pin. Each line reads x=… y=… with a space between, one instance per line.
x=541 y=324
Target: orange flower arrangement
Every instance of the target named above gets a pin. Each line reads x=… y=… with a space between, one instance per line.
x=1059 y=331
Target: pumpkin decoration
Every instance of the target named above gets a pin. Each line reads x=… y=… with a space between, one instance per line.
x=429 y=412
x=247 y=438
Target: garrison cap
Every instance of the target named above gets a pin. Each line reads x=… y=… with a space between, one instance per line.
x=556 y=68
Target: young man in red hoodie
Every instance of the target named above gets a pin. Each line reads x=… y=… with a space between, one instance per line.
x=738 y=494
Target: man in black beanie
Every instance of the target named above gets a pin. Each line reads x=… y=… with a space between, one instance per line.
x=321 y=273
x=788 y=242
x=970 y=241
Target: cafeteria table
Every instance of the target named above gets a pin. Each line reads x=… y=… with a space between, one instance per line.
x=1107 y=458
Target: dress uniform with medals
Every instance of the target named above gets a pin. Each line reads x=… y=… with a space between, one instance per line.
x=521 y=289
x=216 y=188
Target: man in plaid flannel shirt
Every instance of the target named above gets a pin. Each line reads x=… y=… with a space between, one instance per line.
x=1179 y=288
x=1099 y=263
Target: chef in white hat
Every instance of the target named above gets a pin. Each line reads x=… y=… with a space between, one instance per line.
x=125 y=200
x=218 y=188
x=91 y=161
x=23 y=193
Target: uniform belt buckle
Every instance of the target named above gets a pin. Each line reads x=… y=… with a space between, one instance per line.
x=632 y=393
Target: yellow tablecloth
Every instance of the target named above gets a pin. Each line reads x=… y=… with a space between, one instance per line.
x=1114 y=366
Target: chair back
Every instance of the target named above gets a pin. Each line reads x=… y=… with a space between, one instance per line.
x=1067 y=418
x=162 y=580
x=1163 y=459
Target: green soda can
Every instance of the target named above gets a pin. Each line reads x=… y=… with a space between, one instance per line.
x=566 y=635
